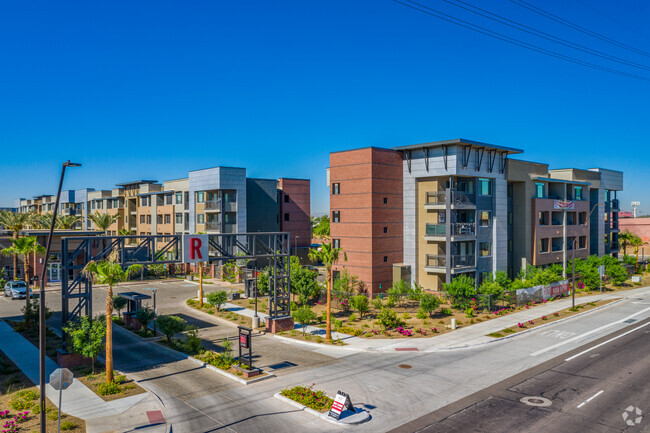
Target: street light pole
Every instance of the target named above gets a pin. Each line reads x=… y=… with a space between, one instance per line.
x=41 y=299
x=575 y=240
x=295 y=247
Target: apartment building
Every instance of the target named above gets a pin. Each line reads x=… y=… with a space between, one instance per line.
x=429 y=212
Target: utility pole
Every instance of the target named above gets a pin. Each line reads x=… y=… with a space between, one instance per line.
x=635 y=204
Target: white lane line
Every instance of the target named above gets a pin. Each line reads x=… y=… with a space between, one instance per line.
x=590 y=398
x=605 y=342
x=577 y=337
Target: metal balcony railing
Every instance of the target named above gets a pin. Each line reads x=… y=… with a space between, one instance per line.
x=212 y=225
x=463 y=229
x=213 y=205
x=436 y=261
x=435 y=197
x=461 y=198
x=436 y=230
x=463 y=261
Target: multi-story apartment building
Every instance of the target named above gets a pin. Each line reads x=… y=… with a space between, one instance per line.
x=432 y=211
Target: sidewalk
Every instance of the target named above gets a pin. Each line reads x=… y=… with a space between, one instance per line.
x=78 y=400
x=462 y=337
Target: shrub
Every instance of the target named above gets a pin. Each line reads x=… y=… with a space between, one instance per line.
x=217 y=299
x=193 y=342
x=469 y=312
x=350 y=331
x=390 y=303
x=388 y=319
x=170 y=325
x=429 y=303
x=359 y=304
x=421 y=314
x=304 y=315
x=316 y=400
x=406 y=316
x=23 y=400
x=398 y=291
x=145 y=315
x=376 y=304
x=119 y=303
x=226 y=355
x=446 y=312
x=68 y=425
x=461 y=290
x=352 y=317
x=109 y=388
x=338 y=323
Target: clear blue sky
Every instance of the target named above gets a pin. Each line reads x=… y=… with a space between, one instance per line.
x=152 y=89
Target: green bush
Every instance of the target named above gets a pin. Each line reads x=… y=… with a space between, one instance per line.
x=352 y=317
x=68 y=425
x=217 y=299
x=377 y=304
x=145 y=315
x=461 y=290
x=316 y=400
x=338 y=323
x=469 y=312
x=388 y=319
x=53 y=416
x=359 y=304
x=109 y=388
x=421 y=314
x=398 y=291
x=304 y=315
x=429 y=303
x=23 y=400
x=446 y=312
x=170 y=325
x=119 y=303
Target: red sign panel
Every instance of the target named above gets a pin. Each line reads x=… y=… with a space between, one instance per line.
x=243 y=340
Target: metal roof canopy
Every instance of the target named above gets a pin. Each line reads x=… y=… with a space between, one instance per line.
x=460 y=142
x=550 y=179
x=134 y=296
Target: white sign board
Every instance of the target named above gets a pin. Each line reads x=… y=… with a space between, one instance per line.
x=195 y=248
x=61 y=378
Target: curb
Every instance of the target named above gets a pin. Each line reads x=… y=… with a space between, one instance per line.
x=321 y=415
x=319 y=345
x=228 y=375
x=219 y=319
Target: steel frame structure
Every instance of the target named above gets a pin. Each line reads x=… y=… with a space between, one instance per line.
x=161 y=249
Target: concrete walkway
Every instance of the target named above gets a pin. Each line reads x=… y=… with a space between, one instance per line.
x=462 y=337
x=78 y=400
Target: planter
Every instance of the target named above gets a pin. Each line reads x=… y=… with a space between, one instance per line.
x=279 y=324
x=247 y=373
x=67 y=360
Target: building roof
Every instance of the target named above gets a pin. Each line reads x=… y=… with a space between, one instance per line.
x=460 y=142
x=170 y=191
x=135 y=182
x=550 y=179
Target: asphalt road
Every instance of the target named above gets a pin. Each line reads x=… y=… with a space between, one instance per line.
x=587 y=390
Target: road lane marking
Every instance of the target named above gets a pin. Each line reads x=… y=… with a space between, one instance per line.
x=558 y=334
x=577 y=337
x=590 y=398
x=605 y=342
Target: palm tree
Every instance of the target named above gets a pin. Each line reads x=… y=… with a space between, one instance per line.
x=109 y=272
x=103 y=221
x=124 y=232
x=636 y=242
x=329 y=256
x=25 y=246
x=67 y=222
x=625 y=238
x=42 y=221
x=15 y=222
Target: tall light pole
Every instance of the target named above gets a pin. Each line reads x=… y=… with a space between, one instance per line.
x=41 y=298
x=635 y=204
x=575 y=239
x=295 y=247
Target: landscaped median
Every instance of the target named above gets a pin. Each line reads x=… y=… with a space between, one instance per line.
x=552 y=317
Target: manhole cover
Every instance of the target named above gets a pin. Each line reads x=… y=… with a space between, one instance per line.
x=404 y=366
x=536 y=401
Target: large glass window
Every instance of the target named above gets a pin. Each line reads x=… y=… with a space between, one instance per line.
x=485 y=249
x=539 y=190
x=336 y=216
x=543 y=245
x=485 y=218
x=200 y=218
x=200 y=197
x=179 y=218
x=336 y=243
x=485 y=186
x=336 y=188
x=179 y=197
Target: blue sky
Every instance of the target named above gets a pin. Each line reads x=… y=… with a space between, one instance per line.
x=153 y=89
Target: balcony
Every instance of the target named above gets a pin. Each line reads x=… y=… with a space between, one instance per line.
x=459 y=262
x=213 y=226
x=458 y=200
x=614 y=205
x=213 y=205
x=435 y=200
x=436 y=263
x=461 y=199
x=435 y=232
x=463 y=229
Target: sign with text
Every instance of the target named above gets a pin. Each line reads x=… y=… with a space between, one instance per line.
x=341 y=401
x=195 y=248
x=561 y=204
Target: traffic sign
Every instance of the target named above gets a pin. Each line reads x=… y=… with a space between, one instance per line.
x=61 y=378
x=195 y=248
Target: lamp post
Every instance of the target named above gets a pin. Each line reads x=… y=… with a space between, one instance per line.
x=295 y=247
x=41 y=298
x=575 y=245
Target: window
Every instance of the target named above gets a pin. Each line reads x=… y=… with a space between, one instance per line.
x=100 y=204
x=200 y=218
x=509 y=245
x=578 y=193
x=286 y=216
x=94 y=204
x=385 y=229
x=570 y=218
x=336 y=188
x=509 y=218
x=159 y=219
x=557 y=218
x=141 y=219
x=484 y=187
x=582 y=217
x=385 y=200
x=200 y=197
x=336 y=216
x=582 y=242
x=543 y=245
x=286 y=198
x=143 y=201
x=179 y=198
x=179 y=218
x=385 y=259
x=148 y=219
x=485 y=218
x=168 y=199
x=539 y=190
x=168 y=219
x=336 y=243
x=485 y=249
x=510 y=190
x=557 y=244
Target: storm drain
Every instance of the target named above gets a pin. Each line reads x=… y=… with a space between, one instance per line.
x=404 y=366
x=629 y=321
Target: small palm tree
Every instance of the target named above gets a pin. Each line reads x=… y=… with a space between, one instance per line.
x=15 y=223
x=625 y=238
x=67 y=222
x=42 y=221
x=25 y=246
x=329 y=256
x=109 y=272
x=124 y=232
x=637 y=242
x=103 y=221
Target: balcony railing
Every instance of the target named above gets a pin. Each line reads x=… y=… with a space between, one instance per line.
x=435 y=197
x=213 y=205
x=212 y=225
x=436 y=230
x=463 y=229
x=463 y=261
x=461 y=198
x=436 y=261
x=614 y=204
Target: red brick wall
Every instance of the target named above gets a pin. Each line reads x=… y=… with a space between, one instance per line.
x=298 y=207
x=366 y=177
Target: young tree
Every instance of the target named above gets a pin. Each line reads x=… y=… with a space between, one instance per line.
x=329 y=256
x=119 y=303
x=359 y=304
x=87 y=337
x=109 y=272
x=144 y=316
x=399 y=290
x=304 y=315
x=429 y=303
x=217 y=299
x=67 y=222
x=321 y=227
x=171 y=325
x=637 y=242
x=625 y=238
x=303 y=281
x=460 y=290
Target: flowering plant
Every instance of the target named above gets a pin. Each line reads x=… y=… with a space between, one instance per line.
x=556 y=314
x=404 y=332
x=531 y=322
x=10 y=427
x=544 y=318
x=521 y=325
x=4 y=414
x=421 y=331
x=21 y=417
x=316 y=400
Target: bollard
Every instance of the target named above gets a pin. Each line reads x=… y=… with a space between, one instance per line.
x=256 y=322
x=453 y=323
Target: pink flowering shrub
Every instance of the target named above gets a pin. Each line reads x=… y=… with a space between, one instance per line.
x=316 y=400
x=404 y=332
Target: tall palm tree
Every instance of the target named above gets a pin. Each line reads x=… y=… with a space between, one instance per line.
x=25 y=246
x=103 y=221
x=637 y=242
x=67 y=222
x=109 y=272
x=329 y=256
x=625 y=238
x=15 y=222
x=42 y=221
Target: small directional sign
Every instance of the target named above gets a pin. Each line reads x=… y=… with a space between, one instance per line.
x=61 y=378
x=341 y=401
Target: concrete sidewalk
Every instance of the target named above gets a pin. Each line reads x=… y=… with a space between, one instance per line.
x=78 y=400
x=465 y=336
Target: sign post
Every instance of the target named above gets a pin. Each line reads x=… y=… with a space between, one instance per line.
x=60 y=379
x=245 y=343
x=601 y=274
x=196 y=250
